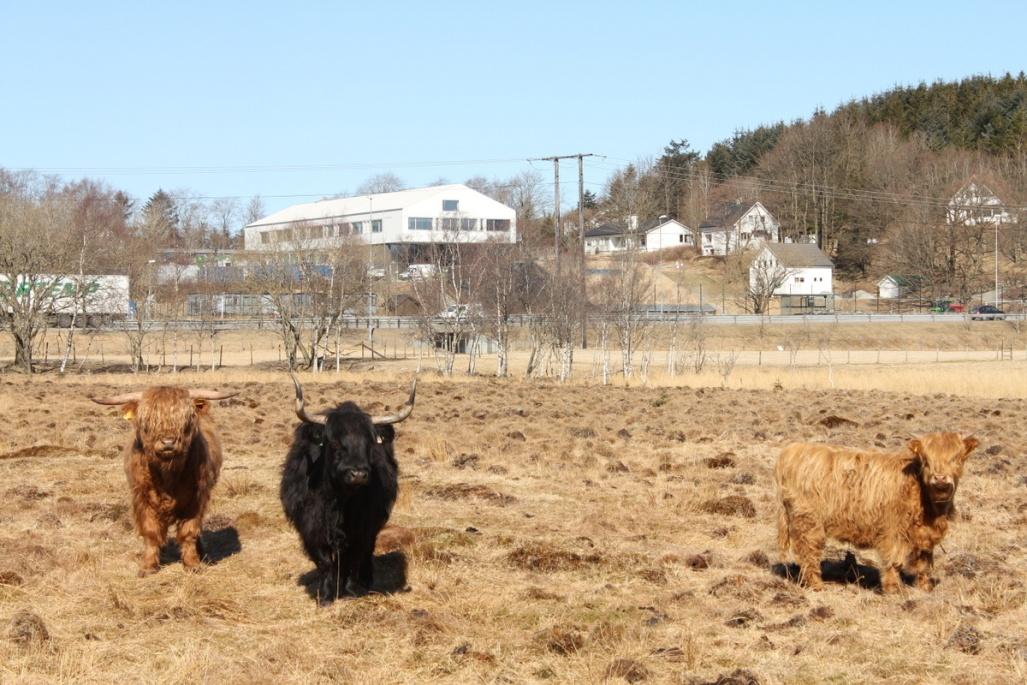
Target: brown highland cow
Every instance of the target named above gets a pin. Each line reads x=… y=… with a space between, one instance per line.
x=898 y=503
x=172 y=463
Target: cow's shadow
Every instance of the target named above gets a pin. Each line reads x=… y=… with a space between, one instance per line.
x=390 y=576
x=847 y=571
x=217 y=545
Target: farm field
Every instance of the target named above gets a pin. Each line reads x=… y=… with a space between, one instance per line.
x=543 y=533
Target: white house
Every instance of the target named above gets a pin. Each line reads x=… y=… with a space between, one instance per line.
x=974 y=203
x=658 y=234
x=792 y=269
x=437 y=214
x=737 y=225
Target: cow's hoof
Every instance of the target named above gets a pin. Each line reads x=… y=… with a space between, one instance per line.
x=148 y=571
x=193 y=568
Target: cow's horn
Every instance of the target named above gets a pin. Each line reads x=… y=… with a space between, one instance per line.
x=123 y=398
x=301 y=413
x=210 y=395
x=403 y=412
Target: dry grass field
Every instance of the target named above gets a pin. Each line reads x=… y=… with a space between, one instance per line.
x=571 y=534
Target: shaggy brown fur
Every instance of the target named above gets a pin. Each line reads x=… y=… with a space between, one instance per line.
x=897 y=503
x=172 y=464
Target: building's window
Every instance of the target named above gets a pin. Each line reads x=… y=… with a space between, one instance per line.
x=681 y=238
x=800 y=279
x=357 y=227
x=376 y=225
x=265 y=237
x=450 y=205
x=468 y=224
x=450 y=224
x=497 y=224
x=419 y=223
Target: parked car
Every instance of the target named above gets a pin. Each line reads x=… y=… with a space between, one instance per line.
x=375 y=273
x=946 y=307
x=417 y=271
x=987 y=312
x=461 y=312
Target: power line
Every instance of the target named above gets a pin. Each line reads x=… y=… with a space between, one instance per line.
x=259 y=168
x=677 y=172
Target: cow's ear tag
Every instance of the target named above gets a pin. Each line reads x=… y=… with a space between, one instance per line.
x=128 y=414
x=378 y=439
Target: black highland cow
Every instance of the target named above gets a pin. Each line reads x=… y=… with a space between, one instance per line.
x=338 y=487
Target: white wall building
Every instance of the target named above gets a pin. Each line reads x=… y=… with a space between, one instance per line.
x=800 y=269
x=733 y=226
x=974 y=204
x=658 y=234
x=437 y=214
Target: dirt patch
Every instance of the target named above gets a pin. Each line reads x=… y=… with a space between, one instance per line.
x=547 y=559
x=28 y=629
x=832 y=421
x=629 y=669
x=966 y=639
x=40 y=451
x=467 y=491
x=562 y=640
x=739 y=676
x=724 y=460
x=732 y=505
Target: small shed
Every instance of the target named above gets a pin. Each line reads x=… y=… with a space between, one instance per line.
x=894 y=286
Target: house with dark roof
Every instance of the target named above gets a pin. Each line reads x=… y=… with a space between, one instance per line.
x=737 y=225
x=658 y=234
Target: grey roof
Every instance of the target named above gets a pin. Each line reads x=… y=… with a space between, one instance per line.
x=904 y=281
x=606 y=230
x=616 y=229
x=799 y=255
x=725 y=215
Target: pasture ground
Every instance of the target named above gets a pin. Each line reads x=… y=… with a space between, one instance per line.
x=544 y=533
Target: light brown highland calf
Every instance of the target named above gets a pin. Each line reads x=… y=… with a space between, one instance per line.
x=898 y=503
x=172 y=463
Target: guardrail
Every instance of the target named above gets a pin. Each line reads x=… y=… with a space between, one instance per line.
x=398 y=322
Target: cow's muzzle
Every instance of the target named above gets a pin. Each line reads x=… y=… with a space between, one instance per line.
x=942 y=489
x=355 y=477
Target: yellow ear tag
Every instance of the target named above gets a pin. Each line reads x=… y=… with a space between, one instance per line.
x=128 y=415
x=379 y=439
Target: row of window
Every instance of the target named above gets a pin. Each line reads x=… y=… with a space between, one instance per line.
x=447 y=224
x=304 y=233
x=453 y=224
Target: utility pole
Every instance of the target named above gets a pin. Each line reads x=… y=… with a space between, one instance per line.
x=558 y=229
x=581 y=251
x=555 y=159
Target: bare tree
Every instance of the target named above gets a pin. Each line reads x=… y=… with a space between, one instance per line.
x=32 y=265
x=255 y=210
x=97 y=220
x=386 y=182
x=766 y=275
x=623 y=292
x=309 y=289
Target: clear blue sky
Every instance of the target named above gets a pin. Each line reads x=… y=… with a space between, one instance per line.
x=140 y=87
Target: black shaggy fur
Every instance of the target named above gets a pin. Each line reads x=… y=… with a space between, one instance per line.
x=339 y=522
